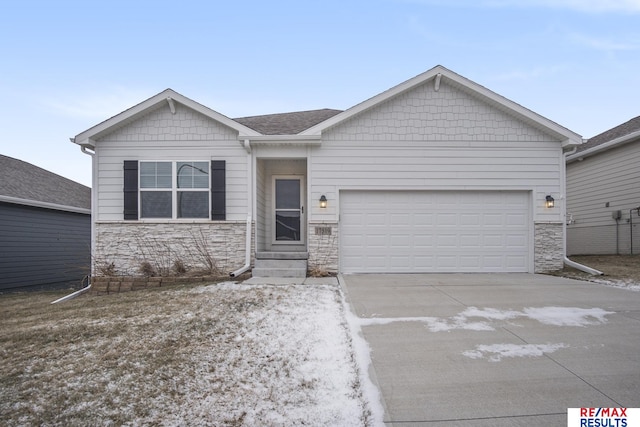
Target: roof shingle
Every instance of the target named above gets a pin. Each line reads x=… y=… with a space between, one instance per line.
x=626 y=128
x=287 y=123
x=23 y=180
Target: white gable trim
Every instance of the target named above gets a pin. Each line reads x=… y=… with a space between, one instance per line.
x=438 y=73
x=169 y=97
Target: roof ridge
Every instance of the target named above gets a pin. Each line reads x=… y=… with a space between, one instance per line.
x=288 y=112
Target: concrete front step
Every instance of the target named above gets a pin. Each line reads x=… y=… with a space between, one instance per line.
x=279 y=272
x=280 y=264
x=282 y=255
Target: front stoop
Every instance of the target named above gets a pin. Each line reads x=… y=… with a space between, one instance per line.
x=280 y=264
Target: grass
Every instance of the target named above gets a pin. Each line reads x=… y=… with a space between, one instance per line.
x=624 y=268
x=195 y=355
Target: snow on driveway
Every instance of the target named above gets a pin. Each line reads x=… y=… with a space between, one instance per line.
x=488 y=319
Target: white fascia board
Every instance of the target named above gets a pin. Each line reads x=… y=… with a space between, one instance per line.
x=284 y=139
x=568 y=137
x=88 y=137
x=563 y=134
x=371 y=102
x=45 y=205
x=602 y=147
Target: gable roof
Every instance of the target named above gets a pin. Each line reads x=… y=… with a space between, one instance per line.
x=24 y=183
x=437 y=74
x=287 y=123
x=621 y=134
x=166 y=97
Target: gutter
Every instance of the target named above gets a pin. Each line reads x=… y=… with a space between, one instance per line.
x=594 y=150
x=566 y=260
x=45 y=205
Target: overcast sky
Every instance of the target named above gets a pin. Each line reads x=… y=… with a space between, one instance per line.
x=68 y=65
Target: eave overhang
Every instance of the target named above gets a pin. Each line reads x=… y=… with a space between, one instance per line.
x=441 y=74
x=167 y=97
x=44 y=205
x=625 y=139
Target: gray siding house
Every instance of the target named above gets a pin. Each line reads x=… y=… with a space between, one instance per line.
x=437 y=174
x=45 y=228
x=603 y=193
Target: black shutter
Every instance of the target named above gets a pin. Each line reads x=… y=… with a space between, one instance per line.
x=130 y=189
x=218 y=191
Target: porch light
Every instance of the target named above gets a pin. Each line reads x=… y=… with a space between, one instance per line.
x=550 y=202
x=323 y=201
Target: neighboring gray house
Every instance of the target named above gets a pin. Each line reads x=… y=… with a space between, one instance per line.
x=437 y=174
x=603 y=193
x=45 y=228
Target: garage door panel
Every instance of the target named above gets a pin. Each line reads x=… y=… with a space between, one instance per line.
x=492 y=220
x=470 y=241
x=404 y=231
x=518 y=220
x=470 y=219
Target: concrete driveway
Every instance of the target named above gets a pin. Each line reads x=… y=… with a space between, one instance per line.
x=496 y=349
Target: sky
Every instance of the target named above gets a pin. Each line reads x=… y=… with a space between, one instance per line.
x=67 y=65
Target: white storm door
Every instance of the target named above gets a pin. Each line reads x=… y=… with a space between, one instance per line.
x=288 y=215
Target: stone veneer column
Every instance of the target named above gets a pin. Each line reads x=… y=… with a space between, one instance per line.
x=323 y=247
x=548 y=249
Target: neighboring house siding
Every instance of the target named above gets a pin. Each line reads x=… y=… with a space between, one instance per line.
x=42 y=247
x=160 y=135
x=611 y=177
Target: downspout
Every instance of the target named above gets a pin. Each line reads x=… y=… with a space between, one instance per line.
x=567 y=261
x=76 y=293
x=247 y=257
x=86 y=150
x=631 y=225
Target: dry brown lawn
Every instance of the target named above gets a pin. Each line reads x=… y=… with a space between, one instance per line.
x=624 y=268
x=215 y=355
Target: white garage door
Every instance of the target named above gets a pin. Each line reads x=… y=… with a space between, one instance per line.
x=434 y=231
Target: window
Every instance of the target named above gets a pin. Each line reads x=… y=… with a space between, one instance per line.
x=174 y=190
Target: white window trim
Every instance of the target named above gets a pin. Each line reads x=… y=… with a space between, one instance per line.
x=174 y=190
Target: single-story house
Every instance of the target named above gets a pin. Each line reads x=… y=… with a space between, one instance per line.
x=45 y=228
x=603 y=193
x=437 y=174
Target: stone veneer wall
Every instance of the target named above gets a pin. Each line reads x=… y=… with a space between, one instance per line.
x=323 y=248
x=127 y=245
x=548 y=247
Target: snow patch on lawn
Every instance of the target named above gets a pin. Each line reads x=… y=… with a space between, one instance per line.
x=496 y=352
x=629 y=284
x=362 y=354
x=216 y=355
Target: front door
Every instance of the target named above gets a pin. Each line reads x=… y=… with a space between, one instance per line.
x=288 y=210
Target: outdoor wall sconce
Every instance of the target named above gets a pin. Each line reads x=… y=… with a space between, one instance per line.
x=550 y=202
x=323 y=201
